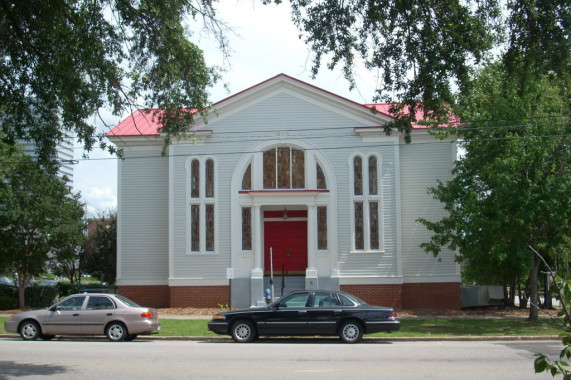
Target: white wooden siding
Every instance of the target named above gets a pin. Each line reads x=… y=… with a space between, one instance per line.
x=422 y=162
x=143 y=215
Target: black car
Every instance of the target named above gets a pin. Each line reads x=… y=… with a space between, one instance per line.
x=323 y=313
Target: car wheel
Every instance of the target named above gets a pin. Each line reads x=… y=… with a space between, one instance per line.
x=116 y=332
x=351 y=332
x=130 y=338
x=243 y=332
x=47 y=337
x=30 y=330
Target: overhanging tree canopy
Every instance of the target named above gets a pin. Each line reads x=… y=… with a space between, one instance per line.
x=64 y=60
x=425 y=49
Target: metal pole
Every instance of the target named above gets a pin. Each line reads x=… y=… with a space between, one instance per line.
x=272 y=271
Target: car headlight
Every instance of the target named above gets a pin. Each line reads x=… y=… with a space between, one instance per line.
x=219 y=317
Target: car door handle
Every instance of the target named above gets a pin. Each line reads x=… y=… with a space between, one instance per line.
x=76 y=315
x=337 y=311
x=302 y=311
x=109 y=314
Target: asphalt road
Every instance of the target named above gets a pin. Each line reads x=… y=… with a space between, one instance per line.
x=271 y=359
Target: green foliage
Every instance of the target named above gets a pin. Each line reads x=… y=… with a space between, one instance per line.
x=8 y=303
x=41 y=296
x=8 y=291
x=99 y=253
x=424 y=48
x=510 y=189
x=36 y=207
x=68 y=239
x=63 y=61
x=562 y=288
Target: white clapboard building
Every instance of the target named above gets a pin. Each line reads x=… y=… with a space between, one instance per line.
x=284 y=180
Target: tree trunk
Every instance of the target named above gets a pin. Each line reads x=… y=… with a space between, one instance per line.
x=21 y=299
x=533 y=290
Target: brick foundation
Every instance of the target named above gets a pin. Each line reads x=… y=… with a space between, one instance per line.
x=199 y=296
x=147 y=295
x=383 y=295
x=441 y=295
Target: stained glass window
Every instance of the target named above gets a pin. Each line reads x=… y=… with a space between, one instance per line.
x=210 y=227
x=195 y=179
x=195 y=228
x=366 y=204
x=297 y=169
x=372 y=175
x=247 y=179
x=201 y=205
x=209 y=172
x=270 y=169
x=246 y=228
x=358 y=175
x=321 y=184
x=374 y=224
x=284 y=168
x=322 y=227
x=359 y=228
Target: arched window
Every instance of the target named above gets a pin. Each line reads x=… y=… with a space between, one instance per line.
x=284 y=168
x=209 y=174
x=372 y=175
x=247 y=179
x=201 y=205
x=195 y=178
x=365 y=204
x=321 y=183
x=358 y=175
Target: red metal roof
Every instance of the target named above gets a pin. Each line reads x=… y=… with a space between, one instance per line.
x=144 y=122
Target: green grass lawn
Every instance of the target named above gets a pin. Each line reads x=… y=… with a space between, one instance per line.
x=437 y=327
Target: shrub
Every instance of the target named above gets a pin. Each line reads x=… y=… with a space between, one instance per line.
x=8 y=303
x=40 y=296
x=8 y=291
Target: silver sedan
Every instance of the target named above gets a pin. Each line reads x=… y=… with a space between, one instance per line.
x=111 y=315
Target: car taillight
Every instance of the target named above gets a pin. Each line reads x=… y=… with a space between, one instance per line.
x=147 y=314
x=393 y=314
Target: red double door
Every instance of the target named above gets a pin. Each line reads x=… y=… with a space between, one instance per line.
x=287 y=239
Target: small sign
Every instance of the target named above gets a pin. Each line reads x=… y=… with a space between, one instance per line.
x=229 y=273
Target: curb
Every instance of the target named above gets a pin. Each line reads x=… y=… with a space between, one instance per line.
x=227 y=339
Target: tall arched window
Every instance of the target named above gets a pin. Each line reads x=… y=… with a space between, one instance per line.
x=366 y=225
x=201 y=203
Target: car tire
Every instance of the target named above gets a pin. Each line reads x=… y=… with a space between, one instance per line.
x=130 y=338
x=351 y=331
x=47 y=337
x=116 y=332
x=243 y=331
x=30 y=330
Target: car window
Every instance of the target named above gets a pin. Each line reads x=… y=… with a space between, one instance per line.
x=356 y=300
x=295 y=300
x=127 y=301
x=345 y=301
x=99 y=303
x=325 y=299
x=73 y=303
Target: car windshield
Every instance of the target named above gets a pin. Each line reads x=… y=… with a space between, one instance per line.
x=127 y=301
